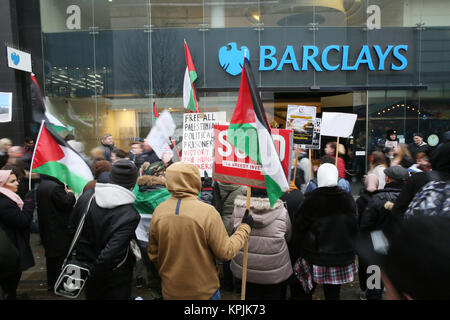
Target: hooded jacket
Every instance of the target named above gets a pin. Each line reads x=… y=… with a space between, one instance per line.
x=109 y=226
x=268 y=254
x=186 y=235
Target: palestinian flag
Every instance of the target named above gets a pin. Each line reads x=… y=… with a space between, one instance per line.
x=249 y=131
x=189 y=98
x=39 y=108
x=53 y=157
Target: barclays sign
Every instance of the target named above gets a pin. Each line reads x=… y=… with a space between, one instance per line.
x=373 y=57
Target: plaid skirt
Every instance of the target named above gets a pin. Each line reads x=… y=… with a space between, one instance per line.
x=309 y=274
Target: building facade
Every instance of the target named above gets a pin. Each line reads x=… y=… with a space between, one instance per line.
x=102 y=62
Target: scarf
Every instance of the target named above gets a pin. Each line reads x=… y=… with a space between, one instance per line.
x=4 y=176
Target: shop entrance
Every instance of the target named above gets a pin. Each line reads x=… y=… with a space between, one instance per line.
x=354 y=153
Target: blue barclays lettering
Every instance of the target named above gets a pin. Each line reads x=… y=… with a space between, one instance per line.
x=382 y=56
x=310 y=58
x=263 y=57
x=345 y=66
x=364 y=57
x=325 y=63
x=399 y=57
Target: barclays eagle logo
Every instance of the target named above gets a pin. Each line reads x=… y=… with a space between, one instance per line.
x=231 y=58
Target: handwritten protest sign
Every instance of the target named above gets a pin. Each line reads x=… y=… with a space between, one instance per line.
x=198 y=139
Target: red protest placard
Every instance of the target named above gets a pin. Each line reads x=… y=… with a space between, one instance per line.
x=231 y=165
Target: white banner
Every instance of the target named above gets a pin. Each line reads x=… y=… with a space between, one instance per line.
x=336 y=124
x=18 y=59
x=158 y=138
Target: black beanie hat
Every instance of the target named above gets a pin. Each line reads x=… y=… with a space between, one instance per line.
x=124 y=173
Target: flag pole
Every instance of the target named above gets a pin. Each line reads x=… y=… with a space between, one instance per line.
x=337 y=151
x=293 y=186
x=34 y=151
x=244 y=266
x=310 y=165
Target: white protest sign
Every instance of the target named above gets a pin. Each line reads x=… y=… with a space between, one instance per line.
x=300 y=119
x=198 y=139
x=336 y=124
x=158 y=138
x=18 y=59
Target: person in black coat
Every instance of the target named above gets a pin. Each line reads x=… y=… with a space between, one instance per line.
x=54 y=208
x=110 y=225
x=147 y=155
x=324 y=230
x=440 y=162
x=376 y=215
x=15 y=220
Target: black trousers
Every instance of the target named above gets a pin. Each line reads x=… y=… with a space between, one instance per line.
x=54 y=265
x=115 y=285
x=9 y=285
x=266 y=291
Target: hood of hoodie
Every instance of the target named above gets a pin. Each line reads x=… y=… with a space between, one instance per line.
x=183 y=180
x=260 y=209
x=109 y=196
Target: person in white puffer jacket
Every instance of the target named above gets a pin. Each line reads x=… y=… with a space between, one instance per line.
x=269 y=265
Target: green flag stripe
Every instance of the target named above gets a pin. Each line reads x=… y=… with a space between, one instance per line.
x=192 y=76
x=58 y=129
x=63 y=174
x=237 y=133
x=274 y=191
x=191 y=105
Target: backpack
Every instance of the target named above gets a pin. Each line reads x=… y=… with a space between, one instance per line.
x=432 y=200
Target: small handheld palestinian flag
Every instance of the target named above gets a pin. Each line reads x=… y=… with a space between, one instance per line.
x=249 y=131
x=189 y=98
x=54 y=157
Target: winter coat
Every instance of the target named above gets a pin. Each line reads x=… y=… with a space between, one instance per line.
x=325 y=227
x=107 y=150
x=186 y=235
x=16 y=224
x=225 y=194
x=362 y=202
x=146 y=156
x=440 y=161
x=54 y=210
x=108 y=229
x=415 y=149
x=268 y=253
x=375 y=216
x=9 y=257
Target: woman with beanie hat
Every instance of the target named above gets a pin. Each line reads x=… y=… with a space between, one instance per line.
x=110 y=225
x=324 y=229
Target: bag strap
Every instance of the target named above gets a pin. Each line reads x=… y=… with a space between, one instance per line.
x=79 y=228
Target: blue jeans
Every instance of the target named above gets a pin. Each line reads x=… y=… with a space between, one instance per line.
x=216 y=296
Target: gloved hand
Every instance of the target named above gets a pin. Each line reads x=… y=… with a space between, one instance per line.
x=248 y=219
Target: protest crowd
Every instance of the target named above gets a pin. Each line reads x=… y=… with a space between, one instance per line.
x=111 y=220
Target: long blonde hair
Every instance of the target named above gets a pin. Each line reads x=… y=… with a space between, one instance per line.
x=403 y=151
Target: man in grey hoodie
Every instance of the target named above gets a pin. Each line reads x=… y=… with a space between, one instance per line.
x=109 y=227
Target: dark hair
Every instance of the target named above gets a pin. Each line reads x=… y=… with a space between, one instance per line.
x=17 y=170
x=29 y=138
x=259 y=193
x=378 y=158
x=327 y=159
x=100 y=166
x=120 y=153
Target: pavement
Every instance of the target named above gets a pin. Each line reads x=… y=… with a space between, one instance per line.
x=33 y=284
